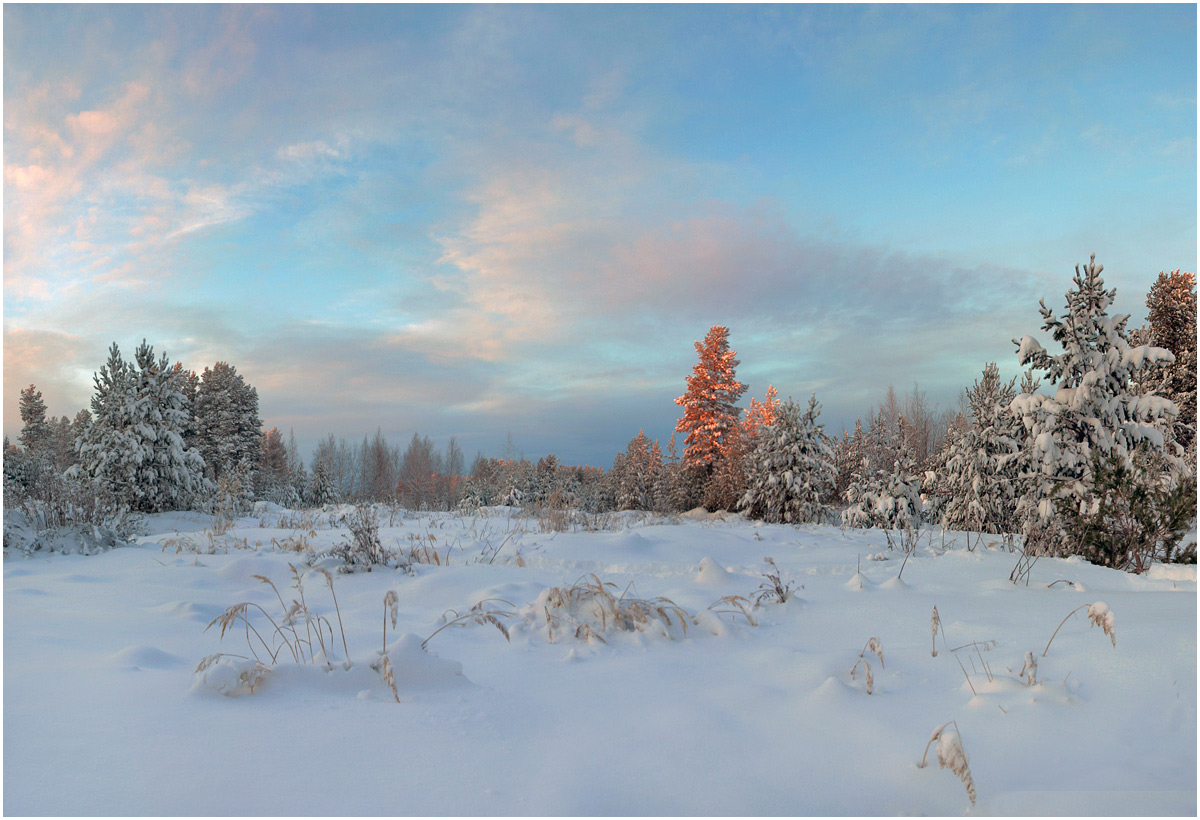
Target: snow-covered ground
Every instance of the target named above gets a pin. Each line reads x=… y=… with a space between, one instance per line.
x=104 y=713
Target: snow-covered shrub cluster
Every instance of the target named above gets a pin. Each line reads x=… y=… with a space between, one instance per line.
x=791 y=468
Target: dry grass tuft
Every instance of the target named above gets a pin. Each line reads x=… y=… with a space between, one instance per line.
x=478 y=614
x=740 y=606
x=423 y=550
x=773 y=589
x=210 y=543
x=589 y=609
x=284 y=632
x=951 y=755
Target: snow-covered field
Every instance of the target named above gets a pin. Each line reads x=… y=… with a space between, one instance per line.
x=104 y=713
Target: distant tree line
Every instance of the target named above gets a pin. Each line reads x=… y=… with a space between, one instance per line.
x=1103 y=459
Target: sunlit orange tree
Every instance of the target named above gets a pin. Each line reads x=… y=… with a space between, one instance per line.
x=709 y=412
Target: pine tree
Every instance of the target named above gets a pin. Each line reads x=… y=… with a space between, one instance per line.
x=35 y=432
x=109 y=449
x=169 y=475
x=728 y=482
x=134 y=447
x=228 y=428
x=1093 y=413
x=709 y=415
x=848 y=456
x=273 y=471
x=761 y=414
x=1172 y=325
x=321 y=489
x=979 y=490
x=791 y=468
x=632 y=474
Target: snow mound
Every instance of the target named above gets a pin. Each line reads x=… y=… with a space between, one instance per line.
x=1172 y=572
x=894 y=583
x=243 y=569
x=231 y=677
x=417 y=669
x=710 y=573
x=859 y=581
x=203 y=613
x=146 y=657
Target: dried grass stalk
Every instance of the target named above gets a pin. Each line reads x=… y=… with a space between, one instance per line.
x=870 y=677
x=1099 y=614
x=951 y=755
x=934 y=621
x=873 y=645
x=1029 y=670
x=389 y=675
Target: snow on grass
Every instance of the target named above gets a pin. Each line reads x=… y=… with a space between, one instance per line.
x=105 y=714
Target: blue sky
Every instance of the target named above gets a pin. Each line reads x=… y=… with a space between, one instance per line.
x=471 y=221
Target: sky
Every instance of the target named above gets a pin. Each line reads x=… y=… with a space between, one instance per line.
x=484 y=221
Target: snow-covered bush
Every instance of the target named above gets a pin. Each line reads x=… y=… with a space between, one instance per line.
x=791 y=468
x=886 y=500
x=363 y=550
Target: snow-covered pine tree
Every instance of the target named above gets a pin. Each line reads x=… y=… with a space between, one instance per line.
x=109 y=449
x=791 y=468
x=320 y=490
x=633 y=475
x=169 y=475
x=709 y=413
x=680 y=492
x=849 y=453
x=980 y=493
x=1093 y=412
x=228 y=428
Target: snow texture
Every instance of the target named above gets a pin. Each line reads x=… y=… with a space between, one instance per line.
x=104 y=712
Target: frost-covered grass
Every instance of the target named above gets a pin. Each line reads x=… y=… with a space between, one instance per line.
x=616 y=710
